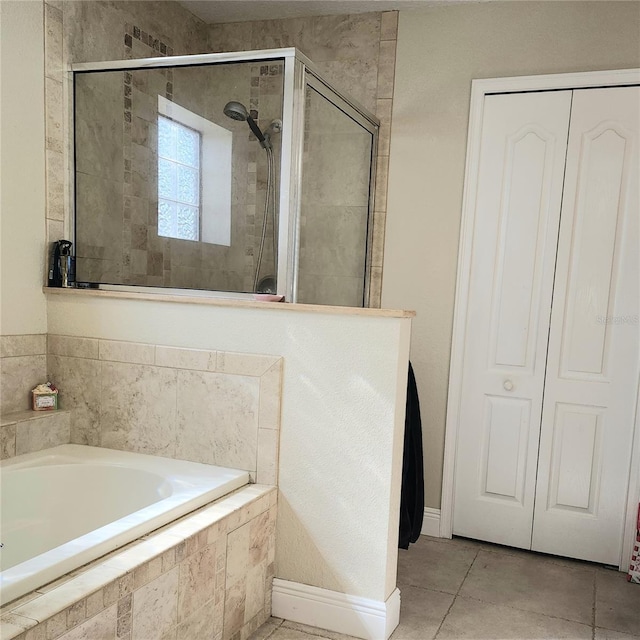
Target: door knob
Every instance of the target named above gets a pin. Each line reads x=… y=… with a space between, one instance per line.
x=508 y=385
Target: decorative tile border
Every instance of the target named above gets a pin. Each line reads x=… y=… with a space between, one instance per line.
x=77 y=361
x=208 y=574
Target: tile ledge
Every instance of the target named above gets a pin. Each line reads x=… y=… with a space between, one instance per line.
x=9 y=419
x=231 y=302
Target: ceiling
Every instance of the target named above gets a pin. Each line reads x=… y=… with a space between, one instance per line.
x=213 y=11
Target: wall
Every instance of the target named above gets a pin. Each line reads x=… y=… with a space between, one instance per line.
x=341 y=426
x=22 y=200
x=206 y=406
x=440 y=50
x=356 y=53
x=89 y=31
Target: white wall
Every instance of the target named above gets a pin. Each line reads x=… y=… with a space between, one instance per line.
x=343 y=406
x=440 y=50
x=22 y=190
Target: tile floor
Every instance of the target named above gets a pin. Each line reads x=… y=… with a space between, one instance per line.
x=466 y=589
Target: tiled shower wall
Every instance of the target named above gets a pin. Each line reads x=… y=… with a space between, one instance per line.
x=204 y=406
x=356 y=53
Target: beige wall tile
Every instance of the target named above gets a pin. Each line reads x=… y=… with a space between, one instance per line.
x=386 y=69
x=197 y=581
x=217 y=419
x=138 y=408
x=382 y=172
x=244 y=364
x=95 y=603
x=18 y=376
x=267 y=470
x=53 y=41
x=377 y=247
x=375 y=286
x=13 y=625
x=389 y=25
x=55 y=185
x=54 y=128
x=234 y=604
x=7 y=441
x=255 y=587
x=55 y=230
x=155 y=607
x=383 y=111
x=23 y=345
x=101 y=627
x=51 y=430
x=78 y=382
x=132 y=352
x=184 y=358
x=237 y=554
x=271 y=397
x=72 y=346
x=200 y=624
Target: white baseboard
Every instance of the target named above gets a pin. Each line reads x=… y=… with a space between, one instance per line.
x=350 y=615
x=431 y=522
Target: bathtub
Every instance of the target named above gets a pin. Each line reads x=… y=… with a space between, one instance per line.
x=68 y=505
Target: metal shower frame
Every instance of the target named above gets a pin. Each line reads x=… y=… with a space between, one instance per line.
x=299 y=72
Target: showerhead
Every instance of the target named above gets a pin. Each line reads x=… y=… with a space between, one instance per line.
x=236 y=111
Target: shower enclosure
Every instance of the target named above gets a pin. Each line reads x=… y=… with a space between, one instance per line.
x=233 y=172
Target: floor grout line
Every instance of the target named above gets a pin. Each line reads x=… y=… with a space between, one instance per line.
x=536 y=613
x=455 y=597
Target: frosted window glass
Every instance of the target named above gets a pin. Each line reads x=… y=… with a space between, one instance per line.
x=188 y=185
x=188 y=150
x=167 y=219
x=167 y=179
x=187 y=221
x=166 y=138
x=178 y=180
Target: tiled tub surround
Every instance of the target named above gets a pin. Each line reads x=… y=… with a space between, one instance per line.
x=29 y=431
x=23 y=365
x=205 y=406
x=207 y=575
x=68 y=505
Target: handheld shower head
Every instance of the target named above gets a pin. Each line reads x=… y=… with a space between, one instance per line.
x=237 y=111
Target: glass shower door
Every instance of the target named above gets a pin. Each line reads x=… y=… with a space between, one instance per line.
x=334 y=223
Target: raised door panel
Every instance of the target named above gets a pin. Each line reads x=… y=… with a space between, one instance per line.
x=517 y=208
x=594 y=347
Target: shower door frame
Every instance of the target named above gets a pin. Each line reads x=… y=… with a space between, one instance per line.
x=298 y=72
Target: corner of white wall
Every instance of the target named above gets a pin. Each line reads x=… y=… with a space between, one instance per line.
x=22 y=153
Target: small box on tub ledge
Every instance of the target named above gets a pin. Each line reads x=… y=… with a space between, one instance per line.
x=44 y=397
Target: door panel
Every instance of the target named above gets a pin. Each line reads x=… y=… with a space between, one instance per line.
x=517 y=209
x=592 y=368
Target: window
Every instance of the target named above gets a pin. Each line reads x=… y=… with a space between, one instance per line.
x=194 y=175
x=178 y=180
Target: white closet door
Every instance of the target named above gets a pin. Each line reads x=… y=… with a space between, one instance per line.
x=517 y=207
x=592 y=369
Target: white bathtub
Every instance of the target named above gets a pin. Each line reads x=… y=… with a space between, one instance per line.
x=68 y=505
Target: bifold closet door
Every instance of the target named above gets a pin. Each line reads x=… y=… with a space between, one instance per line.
x=517 y=208
x=592 y=369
